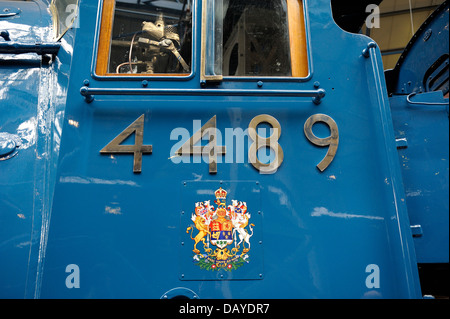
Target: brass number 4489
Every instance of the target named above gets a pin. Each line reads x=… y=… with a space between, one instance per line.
x=212 y=150
x=115 y=146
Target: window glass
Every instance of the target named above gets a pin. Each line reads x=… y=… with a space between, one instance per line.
x=256 y=38
x=64 y=14
x=146 y=37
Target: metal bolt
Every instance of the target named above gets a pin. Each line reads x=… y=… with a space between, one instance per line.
x=427 y=35
x=85 y=92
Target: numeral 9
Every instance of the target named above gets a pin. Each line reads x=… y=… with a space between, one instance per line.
x=332 y=141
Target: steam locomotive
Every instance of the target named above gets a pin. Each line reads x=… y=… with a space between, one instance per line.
x=219 y=149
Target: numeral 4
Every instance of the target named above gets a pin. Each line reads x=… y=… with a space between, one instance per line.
x=115 y=146
x=211 y=150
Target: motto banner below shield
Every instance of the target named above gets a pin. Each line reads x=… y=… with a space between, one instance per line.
x=221 y=231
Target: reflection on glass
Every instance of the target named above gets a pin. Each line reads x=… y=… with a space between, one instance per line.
x=255 y=38
x=151 y=37
x=64 y=13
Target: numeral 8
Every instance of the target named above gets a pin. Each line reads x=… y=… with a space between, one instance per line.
x=260 y=142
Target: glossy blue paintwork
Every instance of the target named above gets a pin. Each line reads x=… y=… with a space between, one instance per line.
x=420 y=118
x=32 y=102
x=424 y=161
x=64 y=203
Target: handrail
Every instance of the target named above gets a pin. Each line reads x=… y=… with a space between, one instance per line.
x=89 y=93
x=39 y=48
x=8 y=14
x=408 y=99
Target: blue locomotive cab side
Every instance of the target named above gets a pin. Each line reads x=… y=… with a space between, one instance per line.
x=201 y=149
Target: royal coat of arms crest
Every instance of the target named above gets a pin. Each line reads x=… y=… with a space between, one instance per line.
x=223 y=233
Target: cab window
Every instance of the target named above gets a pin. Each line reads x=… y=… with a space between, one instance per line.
x=145 y=38
x=256 y=38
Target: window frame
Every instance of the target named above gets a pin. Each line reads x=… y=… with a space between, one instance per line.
x=230 y=78
x=102 y=42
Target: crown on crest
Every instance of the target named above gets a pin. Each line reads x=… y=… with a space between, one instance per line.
x=221 y=194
